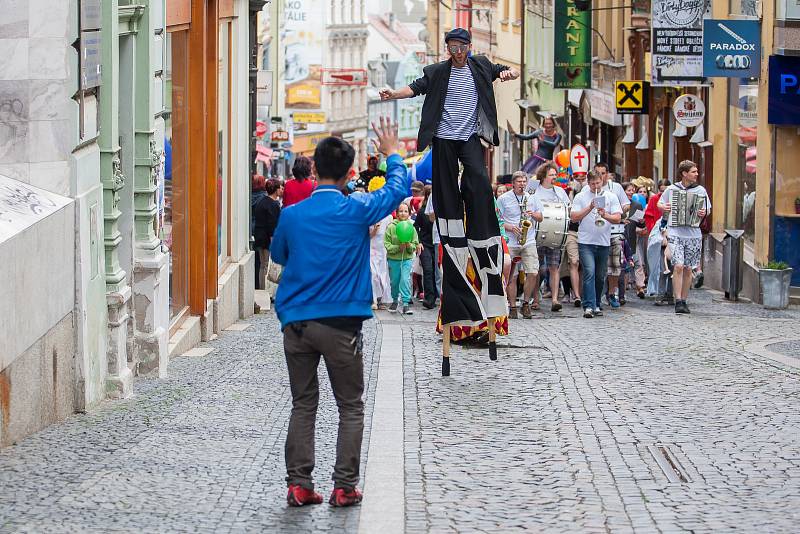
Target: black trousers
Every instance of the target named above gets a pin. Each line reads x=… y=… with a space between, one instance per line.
x=428 y=273
x=468 y=228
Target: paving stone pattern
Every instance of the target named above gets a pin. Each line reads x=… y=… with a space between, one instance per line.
x=201 y=451
x=553 y=437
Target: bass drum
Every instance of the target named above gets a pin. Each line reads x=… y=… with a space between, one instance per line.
x=552 y=231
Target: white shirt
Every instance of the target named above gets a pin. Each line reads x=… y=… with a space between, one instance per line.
x=588 y=232
x=429 y=211
x=554 y=194
x=685 y=232
x=624 y=202
x=511 y=207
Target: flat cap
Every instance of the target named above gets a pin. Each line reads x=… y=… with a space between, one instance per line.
x=458 y=33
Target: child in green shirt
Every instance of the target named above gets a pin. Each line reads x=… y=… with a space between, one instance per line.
x=400 y=257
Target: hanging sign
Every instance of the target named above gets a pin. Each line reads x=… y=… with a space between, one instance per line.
x=572 y=50
x=579 y=160
x=632 y=97
x=689 y=110
x=732 y=48
x=677 y=41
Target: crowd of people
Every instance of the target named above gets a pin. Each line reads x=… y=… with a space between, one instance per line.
x=614 y=247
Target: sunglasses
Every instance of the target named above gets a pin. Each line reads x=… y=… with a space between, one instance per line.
x=458 y=48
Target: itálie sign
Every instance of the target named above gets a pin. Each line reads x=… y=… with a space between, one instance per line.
x=572 y=50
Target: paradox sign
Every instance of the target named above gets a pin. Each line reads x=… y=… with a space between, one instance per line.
x=731 y=48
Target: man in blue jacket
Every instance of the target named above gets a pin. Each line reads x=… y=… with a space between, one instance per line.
x=324 y=295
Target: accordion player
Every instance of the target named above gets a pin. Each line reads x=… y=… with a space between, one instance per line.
x=685 y=207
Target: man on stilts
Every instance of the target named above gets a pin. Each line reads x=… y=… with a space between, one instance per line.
x=458 y=112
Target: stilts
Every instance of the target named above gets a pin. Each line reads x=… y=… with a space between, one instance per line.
x=492 y=339
x=446 y=350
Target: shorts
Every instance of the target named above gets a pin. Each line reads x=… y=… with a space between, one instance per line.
x=548 y=257
x=685 y=251
x=530 y=259
x=571 y=248
x=615 y=257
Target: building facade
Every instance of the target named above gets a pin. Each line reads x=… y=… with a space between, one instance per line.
x=207 y=185
x=81 y=164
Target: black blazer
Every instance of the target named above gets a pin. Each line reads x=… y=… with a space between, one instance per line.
x=433 y=84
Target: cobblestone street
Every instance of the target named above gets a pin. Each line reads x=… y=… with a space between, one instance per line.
x=639 y=421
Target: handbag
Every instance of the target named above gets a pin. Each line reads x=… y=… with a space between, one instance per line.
x=274 y=272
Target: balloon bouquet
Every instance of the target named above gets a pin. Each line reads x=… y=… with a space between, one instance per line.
x=564 y=170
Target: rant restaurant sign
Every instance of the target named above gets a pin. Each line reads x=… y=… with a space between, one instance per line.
x=572 y=50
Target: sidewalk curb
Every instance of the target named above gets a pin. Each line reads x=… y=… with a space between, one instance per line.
x=383 y=508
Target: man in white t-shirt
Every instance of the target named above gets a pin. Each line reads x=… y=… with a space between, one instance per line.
x=513 y=206
x=596 y=210
x=685 y=242
x=617 y=234
x=550 y=258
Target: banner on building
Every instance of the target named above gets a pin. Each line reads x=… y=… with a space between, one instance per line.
x=304 y=31
x=731 y=48
x=677 y=42
x=572 y=48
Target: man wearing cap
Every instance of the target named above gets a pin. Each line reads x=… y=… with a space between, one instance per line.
x=458 y=112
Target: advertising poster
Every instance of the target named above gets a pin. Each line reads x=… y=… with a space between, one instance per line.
x=303 y=40
x=732 y=48
x=572 y=47
x=677 y=41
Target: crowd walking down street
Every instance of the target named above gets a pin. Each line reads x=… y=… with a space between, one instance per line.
x=319 y=326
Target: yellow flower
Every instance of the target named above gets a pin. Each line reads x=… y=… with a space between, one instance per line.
x=376 y=183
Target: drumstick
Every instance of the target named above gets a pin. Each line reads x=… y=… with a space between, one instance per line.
x=492 y=338
x=446 y=351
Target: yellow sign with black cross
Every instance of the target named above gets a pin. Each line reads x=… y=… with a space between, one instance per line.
x=632 y=97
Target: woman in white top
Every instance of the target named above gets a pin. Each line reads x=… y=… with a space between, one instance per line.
x=550 y=258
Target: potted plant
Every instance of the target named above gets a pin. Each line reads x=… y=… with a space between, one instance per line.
x=775 y=278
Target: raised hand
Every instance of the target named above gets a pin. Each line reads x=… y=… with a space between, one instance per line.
x=386 y=94
x=387 y=143
x=509 y=74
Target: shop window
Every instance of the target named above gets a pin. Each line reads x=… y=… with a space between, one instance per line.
x=742 y=140
x=786 y=224
x=223 y=142
x=174 y=233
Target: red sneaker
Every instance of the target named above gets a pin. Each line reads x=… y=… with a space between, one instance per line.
x=343 y=497
x=299 y=496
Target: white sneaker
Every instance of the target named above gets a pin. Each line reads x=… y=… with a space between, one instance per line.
x=587 y=313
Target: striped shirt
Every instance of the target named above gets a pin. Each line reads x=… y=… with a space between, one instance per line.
x=460 y=114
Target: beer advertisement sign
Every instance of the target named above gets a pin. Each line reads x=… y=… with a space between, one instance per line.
x=572 y=50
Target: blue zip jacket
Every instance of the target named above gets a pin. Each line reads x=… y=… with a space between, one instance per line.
x=323 y=245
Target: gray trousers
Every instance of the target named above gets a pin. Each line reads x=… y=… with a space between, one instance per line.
x=303 y=344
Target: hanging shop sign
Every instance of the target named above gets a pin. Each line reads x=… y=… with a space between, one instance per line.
x=315 y=117
x=572 y=50
x=784 y=90
x=632 y=97
x=279 y=135
x=731 y=48
x=689 y=110
x=677 y=41
x=602 y=107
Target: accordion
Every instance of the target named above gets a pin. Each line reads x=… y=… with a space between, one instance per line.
x=684 y=208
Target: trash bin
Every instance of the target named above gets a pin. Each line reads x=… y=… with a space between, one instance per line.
x=732 y=263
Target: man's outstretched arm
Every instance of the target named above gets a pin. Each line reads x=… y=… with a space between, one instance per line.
x=397 y=94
